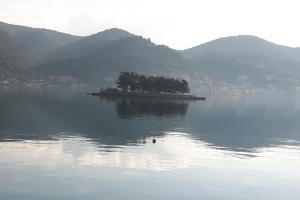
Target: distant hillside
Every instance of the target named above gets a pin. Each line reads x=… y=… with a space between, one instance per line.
x=246 y=59
x=39 y=40
x=244 y=45
x=14 y=56
x=87 y=44
x=126 y=54
x=240 y=60
x=99 y=58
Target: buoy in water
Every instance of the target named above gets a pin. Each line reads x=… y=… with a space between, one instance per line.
x=153 y=140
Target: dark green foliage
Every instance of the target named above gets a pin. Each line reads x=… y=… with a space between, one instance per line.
x=138 y=83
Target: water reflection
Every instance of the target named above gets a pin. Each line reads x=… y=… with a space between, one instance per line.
x=174 y=150
x=137 y=107
x=64 y=145
x=38 y=115
x=128 y=108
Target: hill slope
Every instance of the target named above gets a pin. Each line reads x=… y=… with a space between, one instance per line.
x=244 y=45
x=246 y=60
x=99 y=58
x=126 y=54
x=87 y=44
x=14 y=56
x=39 y=40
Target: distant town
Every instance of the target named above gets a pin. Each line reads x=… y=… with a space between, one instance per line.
x=50 y=81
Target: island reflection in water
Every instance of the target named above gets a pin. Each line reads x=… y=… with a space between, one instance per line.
x=53 y=139
x=138 y=107
x=116 y=121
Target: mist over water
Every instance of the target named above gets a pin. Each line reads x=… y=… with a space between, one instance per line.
x=67 y=145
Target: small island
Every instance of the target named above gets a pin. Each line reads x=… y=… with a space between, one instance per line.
x=130 y=84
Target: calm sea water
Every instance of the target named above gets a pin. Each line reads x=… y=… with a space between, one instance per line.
x=59 y=144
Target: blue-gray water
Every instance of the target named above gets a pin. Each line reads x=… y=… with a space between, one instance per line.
x=66 y=145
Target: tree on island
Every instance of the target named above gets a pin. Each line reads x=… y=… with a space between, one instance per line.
x=138 y=83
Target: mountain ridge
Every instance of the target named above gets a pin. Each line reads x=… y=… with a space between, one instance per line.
x=126 y=54
x=243 y=44
x=241 y=60
x=87 y=44
x=39 y=40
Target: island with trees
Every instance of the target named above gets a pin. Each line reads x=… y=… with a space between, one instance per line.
x=130 y=84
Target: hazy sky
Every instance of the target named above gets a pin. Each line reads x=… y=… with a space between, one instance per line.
x=177 y=23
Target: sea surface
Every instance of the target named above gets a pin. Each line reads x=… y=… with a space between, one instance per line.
x=63 y=144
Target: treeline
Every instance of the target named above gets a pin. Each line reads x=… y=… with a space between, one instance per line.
x=138 y=83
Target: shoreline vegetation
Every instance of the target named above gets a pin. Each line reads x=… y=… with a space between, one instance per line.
x=130 y=84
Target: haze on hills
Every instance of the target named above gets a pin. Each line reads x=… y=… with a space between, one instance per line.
x=97 y=59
